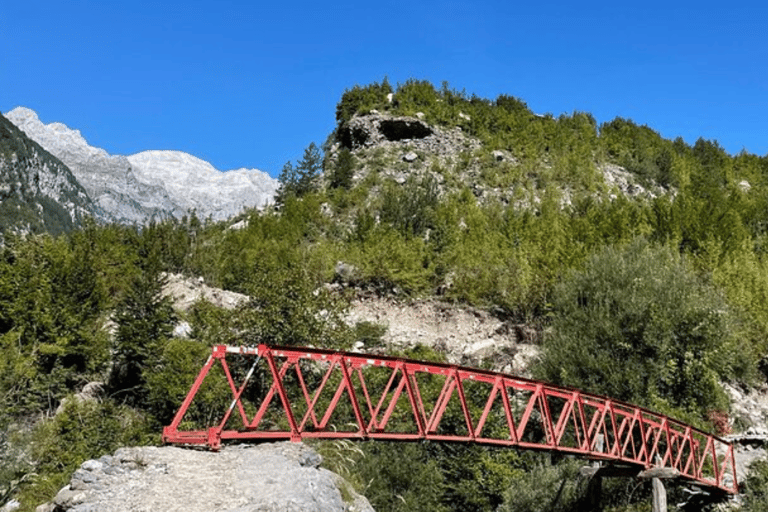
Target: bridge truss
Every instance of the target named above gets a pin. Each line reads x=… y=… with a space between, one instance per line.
x=299 y=393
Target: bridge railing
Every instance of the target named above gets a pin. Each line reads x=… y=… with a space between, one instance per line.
x=297 y=393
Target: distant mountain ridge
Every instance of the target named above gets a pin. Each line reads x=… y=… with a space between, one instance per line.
x=150 y=184
x=38 y=193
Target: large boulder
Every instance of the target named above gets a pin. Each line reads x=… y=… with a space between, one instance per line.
x=270 y=477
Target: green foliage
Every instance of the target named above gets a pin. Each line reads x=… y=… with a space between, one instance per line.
x=362 y=99
x=50 y=319
x=145 y=321
x=755 y=488
x=81 y=431
x=546 y=488
x=477 y=476
x=640 y=150
x=644 y=306
x=302 y=179
x=343 y=170
x=400 y=477
x=287 y=309
x=369 y=333
x=169 y=380
x=391 y=262
x=409 y=208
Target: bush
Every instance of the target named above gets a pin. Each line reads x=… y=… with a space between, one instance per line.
x=637 y=324
x=81 y=431
x=546 y=488
x=755 y=488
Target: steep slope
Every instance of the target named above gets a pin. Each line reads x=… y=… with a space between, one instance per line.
x=152 y=184
x=37 y=191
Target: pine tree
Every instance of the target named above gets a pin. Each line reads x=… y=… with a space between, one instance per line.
x=303 y=178
x=308 y=170
x=144 y=320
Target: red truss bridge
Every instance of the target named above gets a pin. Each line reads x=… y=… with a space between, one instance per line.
x=300 y=393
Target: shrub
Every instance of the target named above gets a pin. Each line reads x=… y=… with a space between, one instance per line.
x=637 y=324
x=755 y=488
x=546 y=488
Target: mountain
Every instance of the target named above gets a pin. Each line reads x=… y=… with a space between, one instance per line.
x=195 y=184
x=37 y=191
x=151 y=184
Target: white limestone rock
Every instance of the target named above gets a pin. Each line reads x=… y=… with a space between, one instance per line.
x=196 y=184
x=151 y=184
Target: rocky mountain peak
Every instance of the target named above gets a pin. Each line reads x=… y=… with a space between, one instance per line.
x=150 y=184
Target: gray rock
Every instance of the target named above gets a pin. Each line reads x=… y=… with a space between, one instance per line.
x=345 y=273
x=91 y=392
x=410 y=157
x=10 y=506
x=245 y=478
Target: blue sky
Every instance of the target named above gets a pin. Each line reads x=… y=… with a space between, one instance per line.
x=249 y=84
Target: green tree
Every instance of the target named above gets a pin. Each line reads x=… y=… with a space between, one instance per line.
x=301 y=179
x=546 y=488
x=343 y=170
x=401 y=478
x=637 y=324
x=144 y=321
x=308 y=169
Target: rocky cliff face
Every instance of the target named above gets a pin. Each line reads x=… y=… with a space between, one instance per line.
x=37 y=191
x=152 y=184
x=272 y=477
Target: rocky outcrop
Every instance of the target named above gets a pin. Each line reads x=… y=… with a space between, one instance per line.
x=271 y=477
x=185 y=291
x=152 y=184
x=383 y=130
x=620 y=181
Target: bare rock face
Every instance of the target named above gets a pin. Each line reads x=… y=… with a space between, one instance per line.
x=270 y=477
x=383 y=130
x=467 y=336
x=374 y=129
x=196 y=185
x=625 y=183
x=109 y=180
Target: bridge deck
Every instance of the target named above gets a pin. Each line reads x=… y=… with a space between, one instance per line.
x=302 y=393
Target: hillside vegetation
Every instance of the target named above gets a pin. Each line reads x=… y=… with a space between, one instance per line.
x=653 y=299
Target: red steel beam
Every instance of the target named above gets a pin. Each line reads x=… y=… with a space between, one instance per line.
x=471 y=406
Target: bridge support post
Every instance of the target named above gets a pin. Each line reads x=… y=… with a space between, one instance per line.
x=595 y=483
x=659 y=495
x=595 y=492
